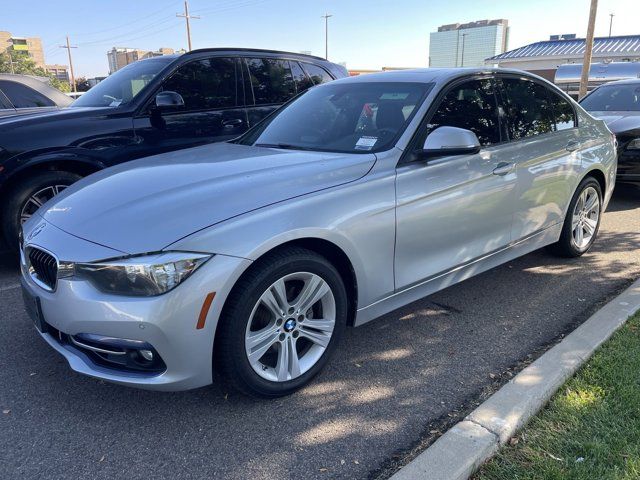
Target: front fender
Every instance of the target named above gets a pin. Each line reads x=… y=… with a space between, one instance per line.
x=358 y=218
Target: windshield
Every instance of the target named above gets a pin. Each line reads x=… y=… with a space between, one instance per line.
x=613 y=98
x=342 y=117
x=122 y=86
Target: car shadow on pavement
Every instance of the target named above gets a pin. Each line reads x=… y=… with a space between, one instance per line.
x=391 y=382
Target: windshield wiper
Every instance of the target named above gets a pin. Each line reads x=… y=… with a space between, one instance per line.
x=284 y=146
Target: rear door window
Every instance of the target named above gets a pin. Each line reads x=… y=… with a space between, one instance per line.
x=24 y=97
x=564 y=114
x=271 y=80
x=473 y=106
x=527 y=108
x=206 y=84
x=318 y=74
x=302 y=80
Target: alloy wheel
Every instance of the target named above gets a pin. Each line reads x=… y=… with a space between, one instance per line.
x=586 y=216
x=35 y=201
x=290 y=326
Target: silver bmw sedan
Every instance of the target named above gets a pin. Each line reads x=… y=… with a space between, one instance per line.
x=250 y=258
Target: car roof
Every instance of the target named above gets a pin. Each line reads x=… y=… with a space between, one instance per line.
x=626 y=81
x=431 y=75
x=41 y=85
x=255 y=50
x=237 y=51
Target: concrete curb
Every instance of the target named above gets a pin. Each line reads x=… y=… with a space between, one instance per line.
x=471 y=442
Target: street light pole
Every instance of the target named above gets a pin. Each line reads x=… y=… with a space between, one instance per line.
x=462 y=60
x=611 y=23
x=326 y=17
x=588 y=48
x=68 y=46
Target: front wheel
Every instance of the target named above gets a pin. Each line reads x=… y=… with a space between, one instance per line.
x=582 y=222
x=281 y=323
x=26 y=197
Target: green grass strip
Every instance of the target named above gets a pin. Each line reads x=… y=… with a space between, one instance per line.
x=590 y=429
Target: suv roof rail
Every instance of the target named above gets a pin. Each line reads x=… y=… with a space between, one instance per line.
x=258 y=50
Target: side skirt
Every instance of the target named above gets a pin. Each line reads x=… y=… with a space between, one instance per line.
x=458 y=274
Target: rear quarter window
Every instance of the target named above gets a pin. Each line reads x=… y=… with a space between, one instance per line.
x=22 y=96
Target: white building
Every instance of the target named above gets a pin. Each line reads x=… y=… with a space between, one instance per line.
x=468 y=44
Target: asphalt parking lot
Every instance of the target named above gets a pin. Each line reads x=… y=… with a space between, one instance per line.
x=393 y=385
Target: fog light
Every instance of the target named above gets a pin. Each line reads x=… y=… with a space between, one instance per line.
x=147 y=355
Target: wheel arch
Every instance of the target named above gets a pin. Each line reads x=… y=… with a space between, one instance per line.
x=600 y=177
x=330 y=251
x=79 y=166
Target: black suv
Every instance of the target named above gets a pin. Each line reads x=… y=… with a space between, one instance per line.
x=148 y=107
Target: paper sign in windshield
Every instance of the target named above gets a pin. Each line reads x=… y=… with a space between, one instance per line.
x=366 y=143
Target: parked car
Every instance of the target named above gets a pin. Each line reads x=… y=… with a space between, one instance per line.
x=22 y=94
x=75 y=95
x=618 y=104
x=149 y=107
x=358 y=197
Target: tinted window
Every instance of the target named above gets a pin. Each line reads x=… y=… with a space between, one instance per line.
x=271 y=80
x=473 y=106
x=302 y=80
x=122 y=86
x=318 y=74
x=206 y=84
x=565 y=117
x=527 y=107
x=612 y=98
x=24 y=97
x=350 y=118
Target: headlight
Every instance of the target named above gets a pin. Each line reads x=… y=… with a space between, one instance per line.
x=142 y=276
x=634 y=144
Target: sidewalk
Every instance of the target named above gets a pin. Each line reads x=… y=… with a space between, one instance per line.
x=471 y=442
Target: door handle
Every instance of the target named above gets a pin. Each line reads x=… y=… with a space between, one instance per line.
x=232 y=123
x=503 y=168
x=572 y=146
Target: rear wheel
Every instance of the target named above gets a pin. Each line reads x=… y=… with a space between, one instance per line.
x=281 y=323
x=582 y=222
x=24 y=199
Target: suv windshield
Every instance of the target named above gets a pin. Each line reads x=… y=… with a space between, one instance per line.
x=122 y=86
x=612 y=98
x=357 y=117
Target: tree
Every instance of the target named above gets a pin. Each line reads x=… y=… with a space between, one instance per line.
x=23 y=65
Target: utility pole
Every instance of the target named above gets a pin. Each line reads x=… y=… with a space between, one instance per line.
x=588 y=48
x=326 y=17
x=187 y=17
x=462 y=61
x=68 y=46
x=611 y=23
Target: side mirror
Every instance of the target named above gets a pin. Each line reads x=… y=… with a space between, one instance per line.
x=445 y=141
x=169 y=99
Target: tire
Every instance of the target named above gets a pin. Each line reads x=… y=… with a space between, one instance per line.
x=568 y=246
x=18 y=196
x=246 y=313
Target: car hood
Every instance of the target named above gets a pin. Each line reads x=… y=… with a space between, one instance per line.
x=147 y=204
x=619 y=122
x=46 y=114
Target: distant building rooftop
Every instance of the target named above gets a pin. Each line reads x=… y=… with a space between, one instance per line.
x=476 y=24
x=602 y=46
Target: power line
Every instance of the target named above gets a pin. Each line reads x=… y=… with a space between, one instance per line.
x=187 y=17
x=132 y=22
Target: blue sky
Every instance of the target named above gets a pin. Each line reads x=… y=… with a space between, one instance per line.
x=363 y=33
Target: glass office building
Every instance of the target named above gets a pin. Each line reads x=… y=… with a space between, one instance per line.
x=468 y=44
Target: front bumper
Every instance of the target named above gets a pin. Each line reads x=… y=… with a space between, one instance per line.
x=167 y=322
